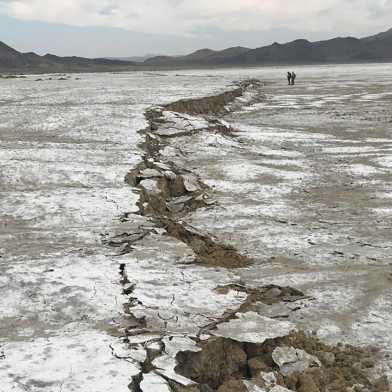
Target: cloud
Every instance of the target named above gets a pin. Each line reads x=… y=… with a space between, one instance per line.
x=186 y=17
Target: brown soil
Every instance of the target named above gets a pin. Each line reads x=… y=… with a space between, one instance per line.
x=223 y=363
x=210 y=105
x=207 y=250
x=268 y=295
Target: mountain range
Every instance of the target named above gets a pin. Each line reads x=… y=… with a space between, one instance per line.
x=377 y=48
x=13 y=61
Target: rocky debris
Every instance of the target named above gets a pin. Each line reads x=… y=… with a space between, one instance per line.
x=291 y=360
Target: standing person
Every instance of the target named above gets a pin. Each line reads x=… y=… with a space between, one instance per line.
x=293 y=76
x=289 y=77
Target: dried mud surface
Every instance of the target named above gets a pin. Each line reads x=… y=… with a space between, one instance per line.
x=250 y=347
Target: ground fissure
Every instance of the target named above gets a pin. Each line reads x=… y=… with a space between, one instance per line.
x=217 y=362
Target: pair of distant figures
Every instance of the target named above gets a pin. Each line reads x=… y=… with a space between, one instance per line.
x=291 y=78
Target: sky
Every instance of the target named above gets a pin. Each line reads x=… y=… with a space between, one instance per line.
x=121 y=28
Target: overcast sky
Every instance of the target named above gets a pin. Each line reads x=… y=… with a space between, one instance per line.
x=135 y=27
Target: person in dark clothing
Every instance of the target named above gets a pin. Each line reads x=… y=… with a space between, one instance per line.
x=289 y=77
x=293 y=76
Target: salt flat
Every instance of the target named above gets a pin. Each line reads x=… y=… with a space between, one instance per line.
x=301 y=186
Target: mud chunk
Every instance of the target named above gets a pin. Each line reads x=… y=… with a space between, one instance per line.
x=162 y=166
x=276 y=310
x=291 y=360
x=256 y=365
x=190 y=183
x=154 y=349
x=251 y=328
x=207 y=250
x=368 y=363
x=279 y=388
x=150 y=186
x=182 y=200
x=307 y=384
x=176 y=186
x=273 y=292
x=218 y=360
x=169 y=175
x=326 y=357
x=291 y=381
x=382 y=385
x=134 y=386
x=269 y=378
x=212 y=104
x=233 y=386
x=189 y=388
x=175 y=208
x=154 y=382
x=149 y=173
x=252 y=387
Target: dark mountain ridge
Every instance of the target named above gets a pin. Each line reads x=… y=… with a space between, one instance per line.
x=13 y=61
x=376 y=48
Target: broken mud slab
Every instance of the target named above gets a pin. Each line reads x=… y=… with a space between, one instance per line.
x=251 y=348
x=271 y=300
x=207 y=250
x=252 y=353
x=297 y=362
x=167 y=192
x=167 y=195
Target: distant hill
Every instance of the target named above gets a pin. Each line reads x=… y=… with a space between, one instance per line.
x=135 y=59
x=200 y=57
x=376 y=48
x=13 y=61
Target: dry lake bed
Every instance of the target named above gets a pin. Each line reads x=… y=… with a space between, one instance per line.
x=152 y=239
